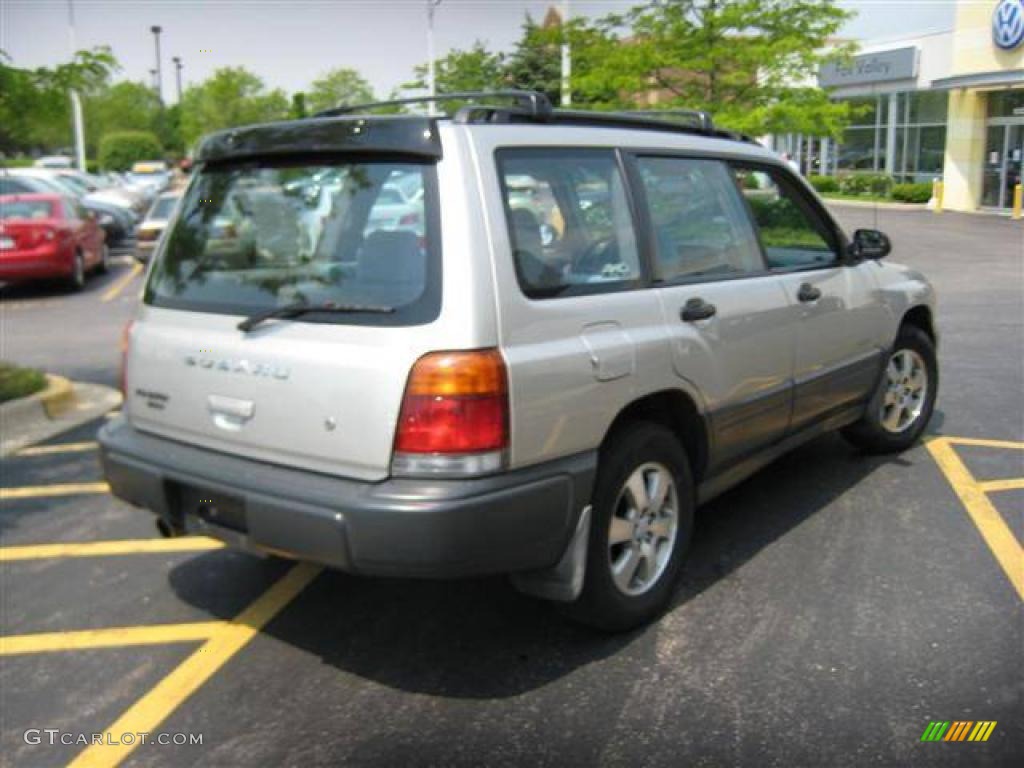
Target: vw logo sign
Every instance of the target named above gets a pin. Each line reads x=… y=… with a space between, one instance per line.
x=1008 y=24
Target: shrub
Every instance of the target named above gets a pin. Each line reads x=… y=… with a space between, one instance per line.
x=18 y=382
x=866 y=184
x=92 y=166
x=824 y=184
x=912 y=193
x=18 y=161
x=120 y=149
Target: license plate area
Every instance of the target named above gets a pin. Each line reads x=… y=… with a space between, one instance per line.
x=212 y=507
x=6 y=243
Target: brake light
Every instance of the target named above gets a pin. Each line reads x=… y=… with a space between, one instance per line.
x=454 y=416
x=409 y=219
x=126 y=334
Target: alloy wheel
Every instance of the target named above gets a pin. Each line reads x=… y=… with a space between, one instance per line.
x=642 y=532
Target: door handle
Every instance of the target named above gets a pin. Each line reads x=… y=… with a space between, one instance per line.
x=697 y=309
x=808 y=292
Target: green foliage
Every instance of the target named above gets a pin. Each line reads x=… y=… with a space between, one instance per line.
x=35 y=108
x=298 y=109
x=912 y=193
x=120 y=149
x=337 y=87
x=535 y=63
x=232 y=96
x=18 y=382
x=773 y=212
x=866 y=184
x=125 y=106
x=824 y=184
x=737 y=59
x=476 y=69
x=18 y=161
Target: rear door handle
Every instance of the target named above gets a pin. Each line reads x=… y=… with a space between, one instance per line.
x=808 y=292
x=697 y=309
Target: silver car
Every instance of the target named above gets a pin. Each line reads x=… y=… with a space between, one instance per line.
x=544 y=390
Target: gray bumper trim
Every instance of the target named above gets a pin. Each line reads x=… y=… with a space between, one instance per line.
x=515 y=521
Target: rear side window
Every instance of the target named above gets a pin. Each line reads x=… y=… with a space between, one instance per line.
x=792 y=235
x=569 y=221
x=698 y=219
x=257 y=236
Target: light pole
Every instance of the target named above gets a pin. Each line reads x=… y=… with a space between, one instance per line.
x=156 y=30
x=76 y=103
x=431 y=79
x=152 y=78
x=566 y=58
x=177 y=74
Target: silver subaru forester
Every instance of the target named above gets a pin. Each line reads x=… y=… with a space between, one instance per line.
x=510 y=340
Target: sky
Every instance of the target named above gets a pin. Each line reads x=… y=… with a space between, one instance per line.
x=289 y=43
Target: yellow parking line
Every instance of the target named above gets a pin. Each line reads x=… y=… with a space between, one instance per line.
x=122 y=282
x=107 y=548
x=46 y=450
x=993 y=529
x=1011 y=444
x=56 y=489
x=1010 y=484
x=45 y=642
x=167 y=695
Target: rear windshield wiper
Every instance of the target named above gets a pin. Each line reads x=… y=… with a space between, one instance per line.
x=295 y=310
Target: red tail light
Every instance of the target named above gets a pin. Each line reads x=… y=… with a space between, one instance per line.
x=455 y=403
x=409 y=220
x=125 y=340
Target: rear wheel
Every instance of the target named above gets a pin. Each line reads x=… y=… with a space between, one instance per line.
x=902 y=405
x=76 y=281
x=640 y=530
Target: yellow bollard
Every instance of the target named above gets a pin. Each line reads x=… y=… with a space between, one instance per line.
x=937 y=190
x=1018 y=200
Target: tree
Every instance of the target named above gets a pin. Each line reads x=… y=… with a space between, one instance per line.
x=535 y=63
x=476 y=69
x=35 y=105
x=339 y=86
x=232 y=96
x=743 y=60
x=120 y=149
x=125 y=106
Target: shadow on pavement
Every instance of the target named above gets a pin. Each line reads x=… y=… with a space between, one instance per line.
x=479 y=639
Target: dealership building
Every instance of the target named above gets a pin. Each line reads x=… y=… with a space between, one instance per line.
x=947 y=105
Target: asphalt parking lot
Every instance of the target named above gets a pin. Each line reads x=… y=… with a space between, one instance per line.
x=833 y=606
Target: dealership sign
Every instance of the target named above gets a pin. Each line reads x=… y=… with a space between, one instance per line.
x=881 y=67
x=1008 y=24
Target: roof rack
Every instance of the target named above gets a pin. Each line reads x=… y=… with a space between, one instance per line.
x=535 y=107
x=531 y=103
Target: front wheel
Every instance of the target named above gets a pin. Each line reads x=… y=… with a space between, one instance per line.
x=640 y=530
x=902 y=404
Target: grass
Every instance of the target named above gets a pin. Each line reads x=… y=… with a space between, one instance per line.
x=18 y=382
x=861 y=198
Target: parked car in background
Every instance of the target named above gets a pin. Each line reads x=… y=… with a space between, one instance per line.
x=49 y=236
x=154 y=174
x=147 y=236
x=54 y=161
x=117 y=221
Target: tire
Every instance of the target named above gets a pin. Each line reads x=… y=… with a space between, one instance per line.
x=902 y=404
x=104 y=266
x=76 y=281
x=610 y=600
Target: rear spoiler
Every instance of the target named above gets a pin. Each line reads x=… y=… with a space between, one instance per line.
x=413 y=136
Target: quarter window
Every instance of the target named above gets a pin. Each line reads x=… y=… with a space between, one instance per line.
x=698 y=219
x=791 y=236
x=569 y=221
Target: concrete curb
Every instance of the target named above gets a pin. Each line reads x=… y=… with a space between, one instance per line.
x=61 y=406
x=879 y=206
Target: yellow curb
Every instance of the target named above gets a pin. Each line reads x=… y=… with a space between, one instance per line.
x=59 y=396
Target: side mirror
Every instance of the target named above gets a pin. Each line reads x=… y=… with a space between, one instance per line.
x=870 y=244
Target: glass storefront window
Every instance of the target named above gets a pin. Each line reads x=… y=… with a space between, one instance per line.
x=925 y=107
x=1002 y=103
x=863 y=111
x=919 y=152
x=857 y=150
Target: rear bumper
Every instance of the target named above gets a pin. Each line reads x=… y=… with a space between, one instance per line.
x=517 y=521
x=35 y=263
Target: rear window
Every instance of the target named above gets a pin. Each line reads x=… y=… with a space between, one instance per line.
x=26 y=209
x=252 y=237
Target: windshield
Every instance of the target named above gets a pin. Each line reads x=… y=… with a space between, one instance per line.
x=252 y=237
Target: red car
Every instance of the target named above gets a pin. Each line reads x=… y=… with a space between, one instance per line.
x=49 y=236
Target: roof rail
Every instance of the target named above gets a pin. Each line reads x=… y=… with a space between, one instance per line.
x=700 y=117
x=531 y=103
